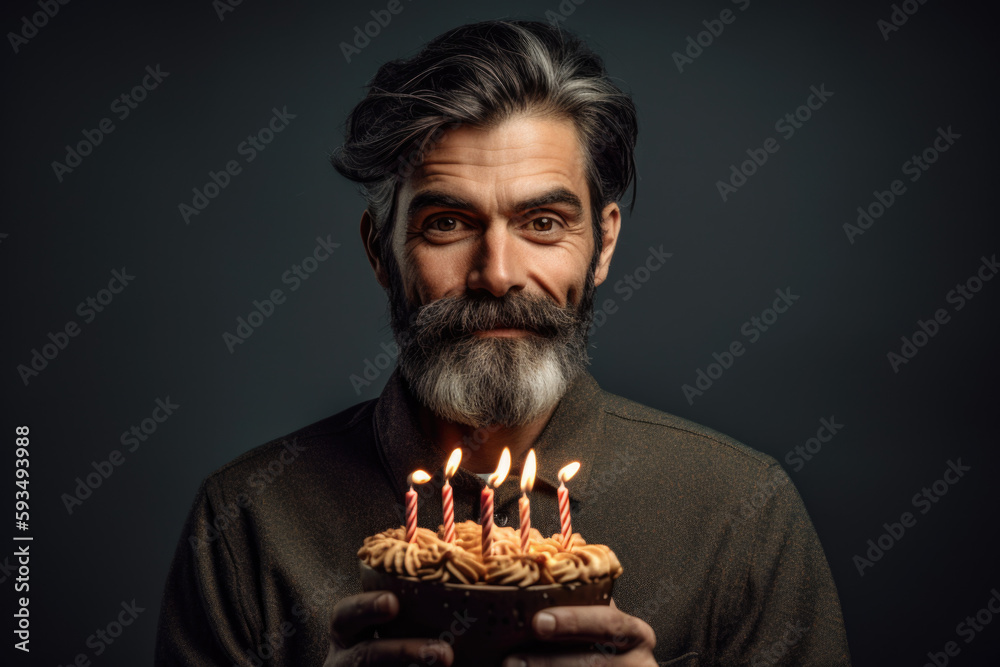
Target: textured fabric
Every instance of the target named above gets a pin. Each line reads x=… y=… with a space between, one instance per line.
x=719 y=554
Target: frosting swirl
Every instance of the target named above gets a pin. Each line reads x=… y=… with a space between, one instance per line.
x=430 y=558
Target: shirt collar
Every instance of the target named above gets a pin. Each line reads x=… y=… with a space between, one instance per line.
x=571 y=434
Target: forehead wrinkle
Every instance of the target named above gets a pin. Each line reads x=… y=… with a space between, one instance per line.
x=506 y=199
x=444 y=176
x=508 y=169
x=459 y=165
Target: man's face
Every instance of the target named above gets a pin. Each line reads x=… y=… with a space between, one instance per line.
x=495 y=270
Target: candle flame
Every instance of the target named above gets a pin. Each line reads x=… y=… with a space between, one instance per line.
x=567 y=472
x=418 y=477
x=452 y=466
x=497 y=478
x=528 y=473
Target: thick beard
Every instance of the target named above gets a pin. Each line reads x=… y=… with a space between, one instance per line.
x=480 y=381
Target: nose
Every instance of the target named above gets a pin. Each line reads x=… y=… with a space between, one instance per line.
x=499 y=265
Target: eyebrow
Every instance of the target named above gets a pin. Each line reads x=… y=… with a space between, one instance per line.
x=432 y=198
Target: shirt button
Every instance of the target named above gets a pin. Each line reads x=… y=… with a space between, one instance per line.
x=502 y=520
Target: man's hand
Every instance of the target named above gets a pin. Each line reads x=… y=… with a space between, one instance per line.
x=352 y=624
x=612 y=637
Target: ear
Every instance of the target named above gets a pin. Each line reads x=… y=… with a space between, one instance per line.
x=370 y=239
x=611 y=222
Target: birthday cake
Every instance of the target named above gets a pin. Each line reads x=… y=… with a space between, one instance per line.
x=483 y=606
x=431 y=558
x=477 y=587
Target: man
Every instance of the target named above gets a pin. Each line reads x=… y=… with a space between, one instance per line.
x=492 y=163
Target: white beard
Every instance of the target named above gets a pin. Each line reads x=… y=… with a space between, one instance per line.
x=493 y=380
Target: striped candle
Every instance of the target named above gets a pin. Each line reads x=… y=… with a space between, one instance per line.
x=416 y=477
x=525 y=508
x=486 y=500
x=448 y=505
x=564 y=519
x=486 y=511
x=447 y=496
x=411 y=515
x=565 y=474
x=527 y=483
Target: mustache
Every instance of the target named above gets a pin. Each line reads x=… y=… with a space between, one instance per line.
x=460 y=316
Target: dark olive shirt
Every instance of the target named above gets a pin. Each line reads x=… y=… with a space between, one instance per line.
x=719 y=554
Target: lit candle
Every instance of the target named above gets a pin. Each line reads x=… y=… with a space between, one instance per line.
x=486 y=499
x=565 y=474
x=527 y=482
x=416 y=477
x=447 y=496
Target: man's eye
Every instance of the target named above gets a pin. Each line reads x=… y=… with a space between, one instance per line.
x=542 y=224
x=443 y=225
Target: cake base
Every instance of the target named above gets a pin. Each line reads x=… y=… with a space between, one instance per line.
x=482 y=623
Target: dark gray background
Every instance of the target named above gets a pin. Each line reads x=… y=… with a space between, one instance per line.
x=162 y=336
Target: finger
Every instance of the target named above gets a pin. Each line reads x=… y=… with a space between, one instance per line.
x=396 y=652
x=560 y=660
x=601 y=656
x=598 y=624
x=578 y=659
x=353 y=617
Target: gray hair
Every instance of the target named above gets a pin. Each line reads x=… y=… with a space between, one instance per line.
x=482 y=74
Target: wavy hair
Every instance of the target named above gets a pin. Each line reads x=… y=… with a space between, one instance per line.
x=482 y=74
